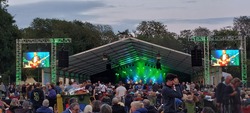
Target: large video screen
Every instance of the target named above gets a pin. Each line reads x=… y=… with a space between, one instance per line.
x=225 y=57
x=36 y=59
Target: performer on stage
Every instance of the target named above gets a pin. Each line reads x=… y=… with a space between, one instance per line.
x=35 y=61
x=224 y=59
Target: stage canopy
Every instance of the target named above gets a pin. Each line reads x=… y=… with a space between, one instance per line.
x=126 y=52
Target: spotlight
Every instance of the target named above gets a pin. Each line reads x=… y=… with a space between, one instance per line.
x=104 y=57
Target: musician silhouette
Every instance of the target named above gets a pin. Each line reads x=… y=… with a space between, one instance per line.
x=224 y=59
x=35 y=61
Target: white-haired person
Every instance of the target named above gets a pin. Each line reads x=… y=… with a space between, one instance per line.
x=88 y=109
x=137 y=107
x=44 y=108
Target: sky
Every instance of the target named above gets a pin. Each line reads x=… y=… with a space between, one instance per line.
x=177 y=15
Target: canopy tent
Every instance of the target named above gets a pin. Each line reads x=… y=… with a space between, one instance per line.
x=124 y=52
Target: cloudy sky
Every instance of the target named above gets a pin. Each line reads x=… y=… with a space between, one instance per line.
x=127 y=14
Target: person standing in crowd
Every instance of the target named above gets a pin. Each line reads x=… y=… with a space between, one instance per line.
x=37 y=97
x=24 y=90
x=120 y=92
x=58 y=88
x=2 y=89
x=231 y=99
x=51 y=95
x=12 y=89
x=89 y=87
x=220 y=90
x=169 y=94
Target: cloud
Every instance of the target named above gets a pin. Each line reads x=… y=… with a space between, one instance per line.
x=126 y=14
x=67 y=10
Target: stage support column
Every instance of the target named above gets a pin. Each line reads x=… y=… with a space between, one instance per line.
x=206 y=60
x=53 y=61
x=243 y=60
x=18 y=61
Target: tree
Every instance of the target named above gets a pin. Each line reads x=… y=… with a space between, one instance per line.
x=8 y=35
x=152 y=29
x=242 y=25
x=184 y=39
x=156 y=32
x=106 y=33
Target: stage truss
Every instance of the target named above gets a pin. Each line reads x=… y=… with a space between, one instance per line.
x=52 y=41
x=243 y=53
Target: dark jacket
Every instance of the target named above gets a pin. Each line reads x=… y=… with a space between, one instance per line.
x=220 y=90
x=179 y=89
x=141 y=110
x=168 y=97
x=52 y=94
x=117 y=108
x=37 y=97
x=66 y=111
x=151 y=109
x=44 y=109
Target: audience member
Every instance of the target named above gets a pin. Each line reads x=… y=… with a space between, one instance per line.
x=116 y=107
x=105 y=108
x=45 y=108
x=88 y=109
x=137 y=107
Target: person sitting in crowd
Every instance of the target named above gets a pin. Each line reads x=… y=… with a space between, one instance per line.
x=150 y=108
x=45 y=108
x=105 y=108
x=88 y=109
x=116 y=107
x=138 y=97
x=96 y=104
x=3 y=105
x=14 y=104
x=207 y=110
x=137 y=107
x=73 y=108
x=26 y=107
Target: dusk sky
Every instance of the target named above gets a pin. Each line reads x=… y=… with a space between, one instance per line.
x=127 y=14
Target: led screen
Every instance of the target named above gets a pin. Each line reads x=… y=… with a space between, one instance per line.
x=225 y=58
x=36 y=59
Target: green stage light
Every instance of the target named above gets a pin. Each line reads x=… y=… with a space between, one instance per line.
x=141 y=72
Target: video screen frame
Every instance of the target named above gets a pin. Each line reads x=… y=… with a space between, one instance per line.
x=225 y=57
x=36 y=59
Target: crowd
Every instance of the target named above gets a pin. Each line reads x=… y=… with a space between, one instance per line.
x=132 y=97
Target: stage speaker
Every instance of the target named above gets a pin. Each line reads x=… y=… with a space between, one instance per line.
x=196 y=57
x=63 y=59
x=108 y=66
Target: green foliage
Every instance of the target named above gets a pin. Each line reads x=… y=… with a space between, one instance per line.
x=184 y=39
x=156 y=32
x=84 y=35
x=8 y=35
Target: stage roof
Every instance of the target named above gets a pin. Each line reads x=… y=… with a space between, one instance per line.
x=127 y=51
